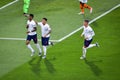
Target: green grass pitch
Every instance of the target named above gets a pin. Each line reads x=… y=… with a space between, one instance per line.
x=4 y=2
x=62 y=61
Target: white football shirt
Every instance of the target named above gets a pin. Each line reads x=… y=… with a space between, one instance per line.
x=31 y=25
x=44 y=29
x=88 y=32
x=83 y=1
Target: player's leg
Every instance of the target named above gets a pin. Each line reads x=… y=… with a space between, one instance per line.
x=26 y=6
x=90 y=45
x=49 y=42
x=28 y=45
x=97 y=44
x=84 y=53
x=84 y=50
x=93 y=45
x=82 y=8
x=89 y=7
x=45 y=51
x=86 y=44
x=45 y=43
x=37 y=44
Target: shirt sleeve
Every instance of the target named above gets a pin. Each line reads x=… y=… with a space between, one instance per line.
x=49 y=28
x=39 y=23
x=92 y=32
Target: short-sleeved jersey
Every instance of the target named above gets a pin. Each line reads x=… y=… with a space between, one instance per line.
x=44 y=29
x=88 y=32
x=31 y=25
x=83 y=1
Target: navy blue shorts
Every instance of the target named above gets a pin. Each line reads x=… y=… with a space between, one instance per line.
x=87 y=42
x=33 y=37
x=45 y=41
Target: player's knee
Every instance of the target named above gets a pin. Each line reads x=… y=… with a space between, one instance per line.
x=27 y=42
x=84 y=47
x=35 y=42
x=81 y=7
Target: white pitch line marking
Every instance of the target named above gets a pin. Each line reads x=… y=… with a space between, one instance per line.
x=63 y=38
x=90 y=23
x=21 y=39
x=8 y=4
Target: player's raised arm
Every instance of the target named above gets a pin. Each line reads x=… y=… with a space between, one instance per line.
x=36 y=22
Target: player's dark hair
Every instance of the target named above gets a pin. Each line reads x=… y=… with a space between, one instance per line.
x=45 y=19
x=32 y=15
x=86 y=21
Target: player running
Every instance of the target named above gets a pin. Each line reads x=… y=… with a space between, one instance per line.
x=45 y=30
x=26 y=7
x=83 y=4
x=32 y=35
x=88 y=34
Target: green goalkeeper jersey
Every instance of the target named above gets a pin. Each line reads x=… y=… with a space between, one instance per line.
x=26 y=6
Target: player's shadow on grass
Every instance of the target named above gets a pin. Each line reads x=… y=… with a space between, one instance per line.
x=94 y=68
x=49 y=66
x=35 y=65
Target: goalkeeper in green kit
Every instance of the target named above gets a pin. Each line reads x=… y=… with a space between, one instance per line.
x=26 y=7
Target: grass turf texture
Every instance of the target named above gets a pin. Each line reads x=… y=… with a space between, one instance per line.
x=4 y=2
x=62 y=16
x=63 y=61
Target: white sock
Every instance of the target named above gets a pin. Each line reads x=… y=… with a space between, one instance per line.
x=29 y=47
x=49 y=43
x=45 y=50
x=38 y=46
x=91 y=45
x=84 y=52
